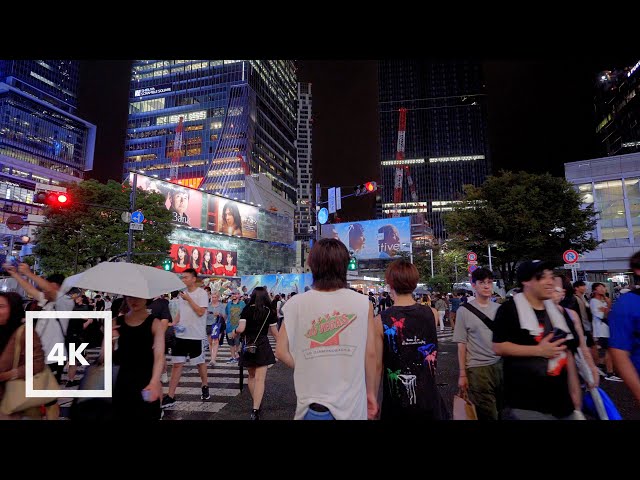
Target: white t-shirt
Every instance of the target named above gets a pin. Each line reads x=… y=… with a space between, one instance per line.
x=48 y=329
x=600 y=329
x=195 y=326
x=327 y=334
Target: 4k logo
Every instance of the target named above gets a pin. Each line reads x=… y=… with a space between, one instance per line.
x=57 y=354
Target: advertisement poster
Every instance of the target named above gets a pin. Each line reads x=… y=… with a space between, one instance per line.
x=206 y=261
x=278 y=283
x=370 y=239
x=185 y=204
x=232 y=218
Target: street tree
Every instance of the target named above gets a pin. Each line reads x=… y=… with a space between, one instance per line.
x=449 y=266
x=90 y=230
x=523 y=216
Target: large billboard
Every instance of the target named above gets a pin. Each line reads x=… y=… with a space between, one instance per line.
x=371 y=239
x=193 y=208
x=280 y=283
x=206 y=261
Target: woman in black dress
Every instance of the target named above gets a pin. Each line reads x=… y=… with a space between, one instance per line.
x=410 y=351
x=139 y=352
x=256 y=320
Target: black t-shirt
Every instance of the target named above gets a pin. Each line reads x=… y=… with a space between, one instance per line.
x=255 y=320
x=527 y=384
x=410 y=361
x=160 y=309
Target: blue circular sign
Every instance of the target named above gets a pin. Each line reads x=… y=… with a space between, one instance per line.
x=137 y=217
x=323 y=216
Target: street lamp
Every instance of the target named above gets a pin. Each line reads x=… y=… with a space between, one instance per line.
x=431 y=256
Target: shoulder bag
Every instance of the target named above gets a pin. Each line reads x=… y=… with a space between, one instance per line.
x=15 y=399
x=486 y=320
x=253 y=347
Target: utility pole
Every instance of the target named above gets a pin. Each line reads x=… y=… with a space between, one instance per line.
x=132 y=203
x=318 y=197
x=490 y=266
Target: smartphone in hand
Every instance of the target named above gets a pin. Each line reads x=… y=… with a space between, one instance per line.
x=558 y=334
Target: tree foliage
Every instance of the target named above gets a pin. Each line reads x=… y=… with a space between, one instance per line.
x=449 y=267
x=92 y=234
x=526 y=216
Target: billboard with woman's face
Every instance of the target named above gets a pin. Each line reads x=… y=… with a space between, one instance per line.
x=370 y=239
x=205 y=261
x=232 y=218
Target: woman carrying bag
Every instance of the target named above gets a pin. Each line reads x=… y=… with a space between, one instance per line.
x=256 y=320
x=12 y=366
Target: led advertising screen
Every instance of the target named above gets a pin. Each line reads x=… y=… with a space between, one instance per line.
x=278 y=283
x=193 y=208
x=185 y=204
x=206 y=261
x=232 y=218
x=370 y=239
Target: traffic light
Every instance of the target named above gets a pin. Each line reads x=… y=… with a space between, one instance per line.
x=166 y=264
x=353 y=264
x=365 y=188
x=53 y=199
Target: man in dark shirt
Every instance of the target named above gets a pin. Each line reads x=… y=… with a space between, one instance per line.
x=538 y=372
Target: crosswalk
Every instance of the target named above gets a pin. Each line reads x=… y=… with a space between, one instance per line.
x=224 y=383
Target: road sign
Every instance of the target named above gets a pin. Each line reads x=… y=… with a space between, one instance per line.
x=14 y=222
x=136 y=226
x=332 y=200
x=472 y=268
x=126 y=217
x=137 y=217
x=323 y=216
x=569 y=266
x=472 y=257
x=570 y=256
x=338 y=198
x=472 y=262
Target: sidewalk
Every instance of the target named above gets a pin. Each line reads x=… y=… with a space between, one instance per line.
x=278 y=403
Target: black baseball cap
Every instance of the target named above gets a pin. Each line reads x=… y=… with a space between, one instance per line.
x=530 y=268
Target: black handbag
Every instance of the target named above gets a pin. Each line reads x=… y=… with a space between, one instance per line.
x=251 y=348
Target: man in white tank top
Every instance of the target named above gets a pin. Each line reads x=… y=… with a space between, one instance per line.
x=328 y=338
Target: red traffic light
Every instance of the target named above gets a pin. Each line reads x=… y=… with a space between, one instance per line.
x=53 y=199
x=370 y=186
x=62 y=198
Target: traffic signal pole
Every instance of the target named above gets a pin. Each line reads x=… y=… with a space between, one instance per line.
x=132 y=200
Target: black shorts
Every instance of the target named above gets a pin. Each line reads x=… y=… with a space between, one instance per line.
x=187 y=347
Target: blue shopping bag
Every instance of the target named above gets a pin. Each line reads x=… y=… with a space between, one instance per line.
x=590 y=408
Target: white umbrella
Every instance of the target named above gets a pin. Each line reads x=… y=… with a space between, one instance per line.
x=126 y=279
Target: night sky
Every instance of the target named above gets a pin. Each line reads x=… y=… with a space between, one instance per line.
x=540 y=116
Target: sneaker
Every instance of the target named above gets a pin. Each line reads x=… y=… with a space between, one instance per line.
x=168 y=401
x=205 y=393
x=613 y=378
x=601 y=372
x=72 y=383
x=255 y=414
x=212 y=363
x=164 y=378
x=231 y=360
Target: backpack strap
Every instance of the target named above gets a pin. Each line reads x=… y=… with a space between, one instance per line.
x=486 y=320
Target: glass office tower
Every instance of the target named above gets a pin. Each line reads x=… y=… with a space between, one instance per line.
x=214 y=121
x=41 y=139
x=446 y=138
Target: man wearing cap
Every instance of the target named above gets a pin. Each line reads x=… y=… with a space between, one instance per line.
x=539 y=373
x=624 y=344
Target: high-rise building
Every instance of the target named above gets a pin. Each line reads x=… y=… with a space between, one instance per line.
x=41 y=139
x=444 y=142
x=617 y=107
x=210 y=123
x=305 y=214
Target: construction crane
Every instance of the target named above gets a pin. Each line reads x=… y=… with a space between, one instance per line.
x=422 y=224
x=177 y=151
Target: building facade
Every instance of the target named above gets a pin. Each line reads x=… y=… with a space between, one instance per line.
x=617 y=108
x=445 y=141
x=612 y=186
x=305 y=214
x=214 y=122
x=41 y=138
